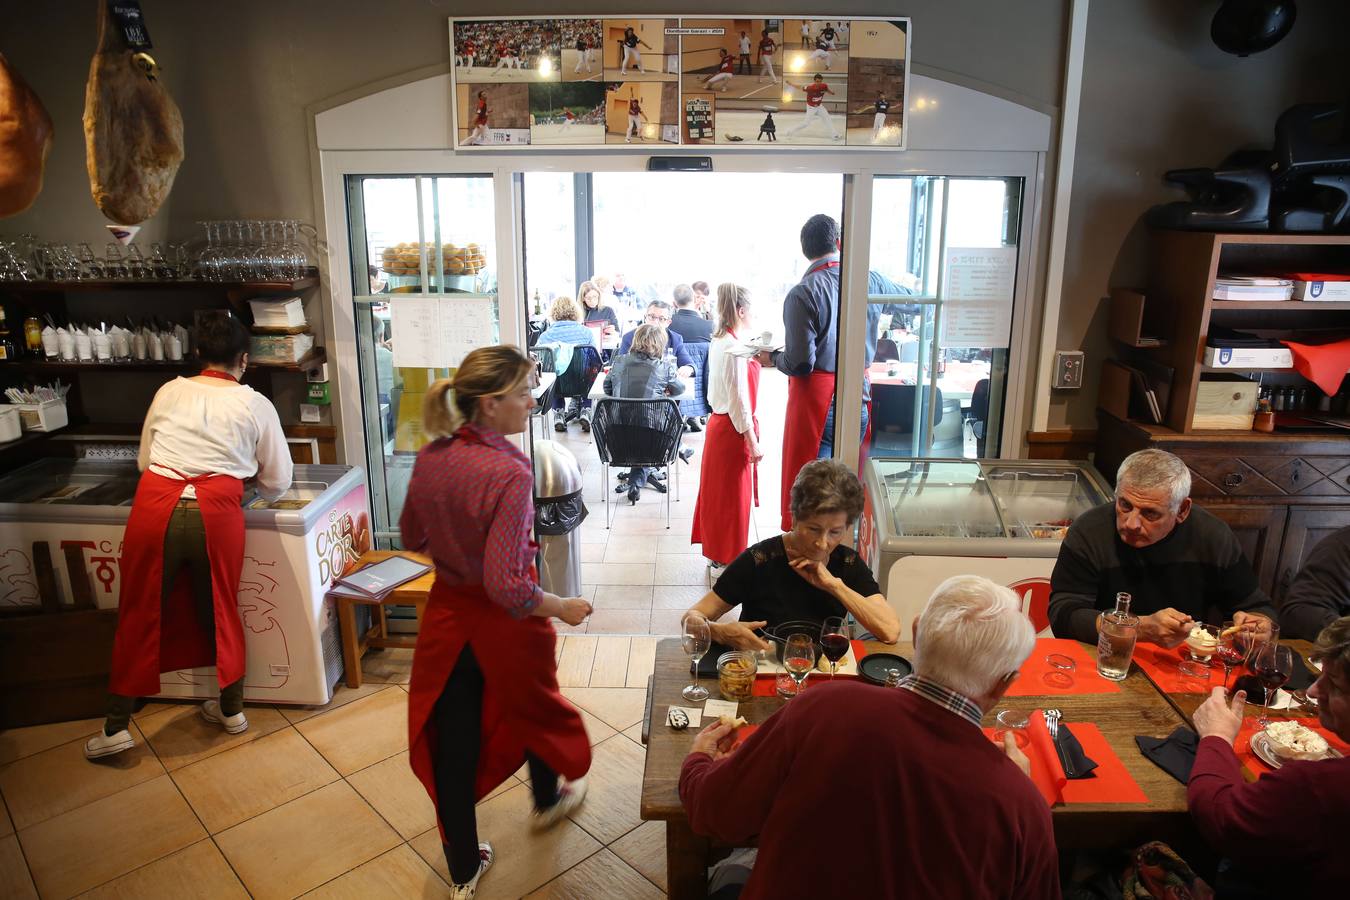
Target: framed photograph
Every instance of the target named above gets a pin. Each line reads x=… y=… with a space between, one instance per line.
x=505 y=51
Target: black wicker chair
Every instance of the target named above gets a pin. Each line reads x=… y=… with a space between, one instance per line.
x=637 y=433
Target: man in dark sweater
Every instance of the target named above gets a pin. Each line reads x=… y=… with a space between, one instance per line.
x=1320 y=592
x=1252 y=824
x=687 y=323
x=1178 y=563
x=854 y=791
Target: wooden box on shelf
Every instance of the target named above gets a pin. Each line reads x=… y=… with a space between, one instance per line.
x=1224 y=402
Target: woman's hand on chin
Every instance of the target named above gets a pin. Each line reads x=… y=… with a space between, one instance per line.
x=815 y=574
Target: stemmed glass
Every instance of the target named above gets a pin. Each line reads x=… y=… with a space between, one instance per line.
x=834 y=636
x=799 y=658
x=1233 y=649
x=1272 y=665
x=697 y=638
x=1201 y=645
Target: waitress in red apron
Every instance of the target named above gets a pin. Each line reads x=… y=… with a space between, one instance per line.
x=484 y=691
x=184 y=543
x=808 y=357
x=728 y=484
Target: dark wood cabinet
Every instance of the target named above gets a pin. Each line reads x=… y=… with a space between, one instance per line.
x=1260 y=531
x=1306 y=529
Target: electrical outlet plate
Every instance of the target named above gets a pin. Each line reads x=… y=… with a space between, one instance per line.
x=318 y=373
x=309 y=414
x=1068 y=369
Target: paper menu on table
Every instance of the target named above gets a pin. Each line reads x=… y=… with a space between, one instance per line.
x=714 y=708
x=438 y=332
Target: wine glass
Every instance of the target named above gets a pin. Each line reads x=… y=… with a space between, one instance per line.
x=697 y=638
x=1233 y=649
x=799 y=658
x=1201 y=644
x=1272 y=665
x=834 y=641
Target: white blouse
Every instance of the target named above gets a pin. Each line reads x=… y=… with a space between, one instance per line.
x=729 y=381
x=194 y=428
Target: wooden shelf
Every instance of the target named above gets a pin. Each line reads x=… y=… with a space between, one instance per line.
x=314 y=358
x=74 y=287
x=1281 y=305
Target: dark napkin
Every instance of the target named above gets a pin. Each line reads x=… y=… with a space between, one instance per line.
x=1174 y=754
x=1071 y=751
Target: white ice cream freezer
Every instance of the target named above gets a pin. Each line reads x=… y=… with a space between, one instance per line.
x=925 y=520
x=292 y=550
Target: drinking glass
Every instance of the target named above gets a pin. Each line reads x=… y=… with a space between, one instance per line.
x=834 y=636
x=1272 y=665
x=799 y=658
x=697 y=638
x=1233 y=649
x=1201 y=644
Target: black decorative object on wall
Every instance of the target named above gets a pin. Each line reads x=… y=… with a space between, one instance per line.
x=1244 y=27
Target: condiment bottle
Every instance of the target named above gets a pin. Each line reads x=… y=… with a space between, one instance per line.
x=1264 y=420
x=32 y=335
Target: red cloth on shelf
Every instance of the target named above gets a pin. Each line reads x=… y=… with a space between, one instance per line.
x=1324 y=365
x=1160 y=665
x=1031 y=683
x=1111 y=781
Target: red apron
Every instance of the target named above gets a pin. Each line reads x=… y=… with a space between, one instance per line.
x=522 y=706
x=808 y=403
x=727 y=475
x=154 y=637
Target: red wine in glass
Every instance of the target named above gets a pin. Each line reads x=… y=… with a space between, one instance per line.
x=835 y=646
x=1273 y=665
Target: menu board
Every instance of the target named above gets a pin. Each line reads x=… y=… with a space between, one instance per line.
x=652 y=81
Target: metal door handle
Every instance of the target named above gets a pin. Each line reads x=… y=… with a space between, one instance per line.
x=1232 y=479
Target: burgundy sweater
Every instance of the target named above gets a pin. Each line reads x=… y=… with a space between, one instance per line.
x=858 y=791
x=1290 y=825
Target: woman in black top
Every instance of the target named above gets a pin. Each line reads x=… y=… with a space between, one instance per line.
x=596 y=309
x=806 y=574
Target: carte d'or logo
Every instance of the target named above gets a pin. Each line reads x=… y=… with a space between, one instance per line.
x=339 y=545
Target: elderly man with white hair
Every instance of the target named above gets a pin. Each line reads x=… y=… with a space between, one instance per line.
x=859 y=791
x=1179 y=564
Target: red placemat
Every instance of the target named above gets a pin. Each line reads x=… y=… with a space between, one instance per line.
x=1083 y=680
x=1160 y=664
x=1111 y=781
x=1254 y=764
x=766 y=683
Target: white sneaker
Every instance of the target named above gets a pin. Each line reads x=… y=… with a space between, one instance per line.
x=101 y=745
x=235 y=724
x=570 y=796
x=466 y=891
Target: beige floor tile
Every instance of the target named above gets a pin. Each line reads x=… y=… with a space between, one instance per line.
x=562 y=628
x=593 y=530
x=631 y=549
x=614 y=788
x=306 y=843
x=395 y=793
x=665 y=622
x=578 y=656
x=641 y=662
x=677 y=543
x=389 y=666
x=652 y=507
x=679 y=525
x=248 y=780
x=198 y=872
x=603 y=875
x=616 y=707
x=611 y=662
x=596 y=729
x=526 y=859
x=688 y=569
x=634 y=733
x=593 y=552
x=16 y=743
x=341 y=697
x=15 y=882
x=617 y=573
x=678 y=596
x=362 y=733
x=644 y=848
x=52 y=782
x=96 y=843
x=399 y=873
x=623 y=596
x=159 y=706
x=619 y=621
x=180 y=736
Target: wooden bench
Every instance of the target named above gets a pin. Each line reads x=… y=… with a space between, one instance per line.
x=413 y=593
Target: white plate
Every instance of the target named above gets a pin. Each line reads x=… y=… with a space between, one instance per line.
x=1261 y=747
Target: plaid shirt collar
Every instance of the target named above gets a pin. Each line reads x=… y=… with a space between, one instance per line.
x=946 y=698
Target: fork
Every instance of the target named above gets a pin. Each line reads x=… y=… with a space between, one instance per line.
x=1052 y=717
x=1052 y=721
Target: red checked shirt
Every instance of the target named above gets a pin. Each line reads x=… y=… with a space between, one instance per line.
x=470 y=507
x=815 y=93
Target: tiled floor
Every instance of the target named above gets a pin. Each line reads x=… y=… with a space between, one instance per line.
x=320 y=802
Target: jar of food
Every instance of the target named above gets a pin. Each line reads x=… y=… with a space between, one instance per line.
x=736 y=675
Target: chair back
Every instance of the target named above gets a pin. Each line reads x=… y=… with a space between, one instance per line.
x=695 y=403
x=886 y=350
x=581 y=372
x=637 y=432
x=893 y=407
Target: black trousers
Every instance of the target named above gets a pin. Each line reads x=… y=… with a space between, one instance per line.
x=457 y=720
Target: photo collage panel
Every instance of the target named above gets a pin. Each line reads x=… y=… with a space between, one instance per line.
x=589 y=82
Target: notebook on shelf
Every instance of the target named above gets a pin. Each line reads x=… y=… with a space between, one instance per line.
x=379 y=579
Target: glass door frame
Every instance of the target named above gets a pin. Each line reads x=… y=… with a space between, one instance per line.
x=858 y=170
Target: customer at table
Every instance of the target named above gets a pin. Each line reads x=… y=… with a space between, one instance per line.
x=686 y=322
x=643 y=374
x=658 y=314
x=484 y=692
x=1178 y=563
x=1286 y=832
x=598 y=312
x=566 y=333
x=1320 y=592
x=856 y=791
x=183 y=548
x=807 y=574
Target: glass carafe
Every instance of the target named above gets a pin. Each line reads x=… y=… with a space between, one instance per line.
x=1115 y=640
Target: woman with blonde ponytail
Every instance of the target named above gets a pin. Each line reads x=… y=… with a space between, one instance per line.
x=484 y=694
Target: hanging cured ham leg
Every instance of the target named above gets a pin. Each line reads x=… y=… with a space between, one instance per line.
x=25 y=138
x=133 y=131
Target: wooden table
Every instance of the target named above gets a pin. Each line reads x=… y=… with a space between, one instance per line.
x=411 y=593
x=598 y=388
x=1138 y=710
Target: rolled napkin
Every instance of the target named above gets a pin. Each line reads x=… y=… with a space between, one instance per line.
x=51 y=345
x=138 y=347
x=1174 y=754
x=84 y=347
x=155 y=344
x=173 y=347
x=65 y=343
x=1071 y=754
x=121 y=343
